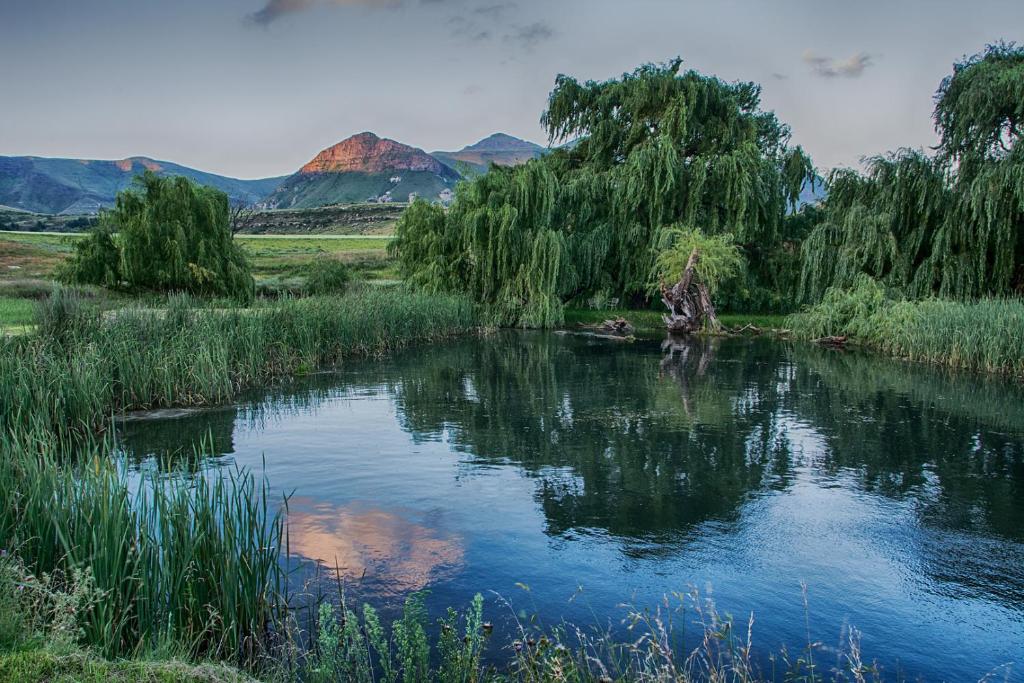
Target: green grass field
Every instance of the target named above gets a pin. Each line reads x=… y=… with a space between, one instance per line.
x=15 y=313
x=28 y=260
x=282 y=257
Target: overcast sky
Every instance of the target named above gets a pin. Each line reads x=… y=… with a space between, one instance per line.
x=253 y=88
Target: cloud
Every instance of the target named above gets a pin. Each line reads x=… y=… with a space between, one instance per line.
x=275 y=9
x=826 y=67
x=491 y=21
x=495 y=11
x=531 y=35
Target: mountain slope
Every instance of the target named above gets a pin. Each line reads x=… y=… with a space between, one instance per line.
x=499 y=149
x=44 y=185
x=361 y=167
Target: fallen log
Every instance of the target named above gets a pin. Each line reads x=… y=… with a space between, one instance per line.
x=832 y=342
x=619 y=326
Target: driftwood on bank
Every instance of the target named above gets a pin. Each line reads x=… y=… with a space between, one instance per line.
x=614 y=326
x=618 y=329
x=831 y=342
x=689 y=302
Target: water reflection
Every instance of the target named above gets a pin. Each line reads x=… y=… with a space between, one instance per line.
x=894 y=490
x=362 y=543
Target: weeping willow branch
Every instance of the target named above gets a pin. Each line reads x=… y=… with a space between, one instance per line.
x=951 y=224
x=653 y=148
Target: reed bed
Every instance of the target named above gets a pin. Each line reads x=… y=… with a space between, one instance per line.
x=83 y=365
x=190 y=564
x=985 y=335
x=168 y=561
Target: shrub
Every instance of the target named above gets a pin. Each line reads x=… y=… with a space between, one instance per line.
x=172 y=235
x=986 y=334
x=96 y=260
x=326 y=275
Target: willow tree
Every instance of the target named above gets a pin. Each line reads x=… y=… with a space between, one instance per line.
x=653 y=149
x=950 y=224
x=165 y=234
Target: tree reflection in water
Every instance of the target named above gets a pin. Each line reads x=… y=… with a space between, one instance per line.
x=647 y=443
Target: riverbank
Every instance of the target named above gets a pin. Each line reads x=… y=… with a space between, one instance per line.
x=168 y=563
x=224 y=605
x=983 y=336
x=82 y=365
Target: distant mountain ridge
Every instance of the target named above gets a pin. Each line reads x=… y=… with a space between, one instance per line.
x=367 y=153
x=55 y=186
x=360 y=168
x=500 y=149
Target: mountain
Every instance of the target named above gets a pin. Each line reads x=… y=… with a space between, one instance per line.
x=499 y=149
x=73 y=186
x=363 y=167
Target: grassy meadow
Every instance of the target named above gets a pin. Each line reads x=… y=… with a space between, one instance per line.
x=28 y=262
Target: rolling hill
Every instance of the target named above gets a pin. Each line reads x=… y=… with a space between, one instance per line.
x=360 y=168
x=499 y=149
x=363 y=167
x=81 y=186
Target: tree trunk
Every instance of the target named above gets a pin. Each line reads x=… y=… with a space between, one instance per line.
x=689 y=302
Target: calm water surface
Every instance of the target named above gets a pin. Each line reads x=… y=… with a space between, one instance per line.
x=598 y=473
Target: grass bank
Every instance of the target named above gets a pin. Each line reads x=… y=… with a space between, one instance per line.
x=84 y=365
x=158 y=562
x=985 y=335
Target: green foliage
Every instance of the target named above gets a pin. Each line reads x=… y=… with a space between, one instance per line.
x=73 y=375
x=360 y=650
x=64 y=315
x=85 y=667
x=655 y=148
x=326 y=275
x=36 y=611
x=979 y=109
x=719 y=261
x=213 y=594
x=97 y=259
x=981 y=335
x=951 y=225
x=172 y=235
x=842 y=312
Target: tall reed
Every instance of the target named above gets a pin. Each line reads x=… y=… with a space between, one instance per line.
x=181 y=562
x=81 y=367
x=190 y=563
x=985 y=335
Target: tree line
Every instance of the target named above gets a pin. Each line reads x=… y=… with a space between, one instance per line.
x=660 y=161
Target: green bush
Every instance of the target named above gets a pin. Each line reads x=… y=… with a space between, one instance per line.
x=326 y=275
x=97 y=259
x=167 y=234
